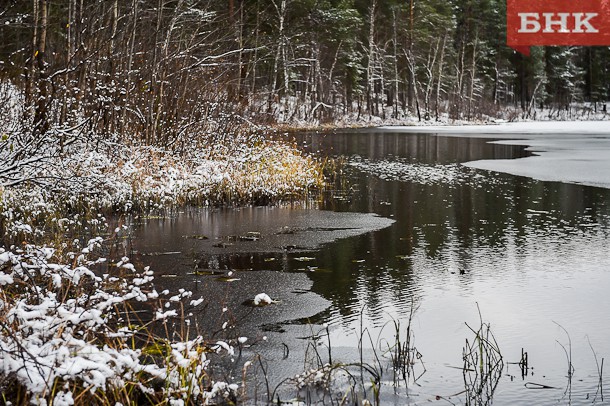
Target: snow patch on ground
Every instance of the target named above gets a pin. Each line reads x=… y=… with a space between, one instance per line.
x=262 y=299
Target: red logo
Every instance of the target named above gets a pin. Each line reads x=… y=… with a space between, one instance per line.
x=557 y=22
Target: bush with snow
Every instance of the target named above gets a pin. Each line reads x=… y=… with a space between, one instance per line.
x=148 y=177
x=65 y=335
x=88 y=182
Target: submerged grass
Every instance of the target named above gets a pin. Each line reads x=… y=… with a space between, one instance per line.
x=389 y=365
x=483 y=365
x=599 y=391
x=326 y=379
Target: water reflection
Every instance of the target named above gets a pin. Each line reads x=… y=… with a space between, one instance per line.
x=436 y=222
x=529 y=252
x=418 y=147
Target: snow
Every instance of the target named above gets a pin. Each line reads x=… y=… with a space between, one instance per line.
x=564 y=151
x=549 y=128
x=262 y=299
x=66 y=328
x=197 y=302
x=221 y=345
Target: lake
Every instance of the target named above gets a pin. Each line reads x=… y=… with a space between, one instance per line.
x=407 y=234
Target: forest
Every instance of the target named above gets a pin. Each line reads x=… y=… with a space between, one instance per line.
x=164 y=71
x=119 y=114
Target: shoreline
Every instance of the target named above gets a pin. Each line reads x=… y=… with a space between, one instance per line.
x=411 y=122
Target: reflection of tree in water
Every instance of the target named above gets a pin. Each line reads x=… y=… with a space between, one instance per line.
x=439 y=226
x=420 y=148
x=355 y=273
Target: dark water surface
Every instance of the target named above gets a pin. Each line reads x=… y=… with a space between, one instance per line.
x=533 y=256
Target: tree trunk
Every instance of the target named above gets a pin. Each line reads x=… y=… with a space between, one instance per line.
x=473 y=67
x=280 y=53
x=332 y=88
x=411 y=63
x=132 y=45
x=430 y=64
x=410 y=85
x=40 y=115
x=285 y=61
x=240 y=42
x=31 y=63
x=459 y=86
x=396 y=78
x=439 y=83
x=370 y=81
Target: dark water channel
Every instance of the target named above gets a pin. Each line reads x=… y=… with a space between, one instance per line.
x=406 y=226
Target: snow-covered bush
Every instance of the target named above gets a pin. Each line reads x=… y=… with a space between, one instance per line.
x=68 y=333
x=66 y=336
x=89 y=182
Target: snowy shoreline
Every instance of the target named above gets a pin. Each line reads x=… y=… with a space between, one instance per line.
x=576 y=152
x=65 y=336
x=80 y=305
x=504 y=129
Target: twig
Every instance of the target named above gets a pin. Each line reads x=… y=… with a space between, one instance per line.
x=600 y=372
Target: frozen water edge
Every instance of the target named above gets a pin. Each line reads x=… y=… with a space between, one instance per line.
x=564 y=151
x=531 y=128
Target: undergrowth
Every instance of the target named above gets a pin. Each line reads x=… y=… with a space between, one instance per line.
x=89 y=185
x=72 y=336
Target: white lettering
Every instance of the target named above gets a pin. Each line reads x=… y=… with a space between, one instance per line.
x=529 y=23
x=556 y=23
x=579 y=22
x=562 y=22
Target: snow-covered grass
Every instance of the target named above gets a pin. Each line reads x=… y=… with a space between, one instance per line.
x=124 y=177
x=70 y=336
x=120 y=179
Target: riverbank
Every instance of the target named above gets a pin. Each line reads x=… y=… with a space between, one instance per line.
x=562 y=151
x=86 y=181
x=575 y=113
x=68 y=293
x=81 y=324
